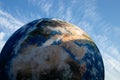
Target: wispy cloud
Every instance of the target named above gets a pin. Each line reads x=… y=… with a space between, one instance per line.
x=9 y=21
x=2 y=42
x=43 y=5
x=60 y=9
x=8 y=24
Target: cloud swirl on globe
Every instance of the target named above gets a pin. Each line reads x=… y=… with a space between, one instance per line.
x=50 y=49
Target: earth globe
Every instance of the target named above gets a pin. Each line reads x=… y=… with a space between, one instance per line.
x=50 y=49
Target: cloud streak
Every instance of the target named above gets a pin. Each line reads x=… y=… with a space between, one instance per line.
x=2 y=42
x=8 y=24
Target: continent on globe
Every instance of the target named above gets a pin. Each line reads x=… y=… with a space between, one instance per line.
x=50 y=49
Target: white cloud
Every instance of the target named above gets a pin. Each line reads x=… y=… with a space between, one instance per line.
x=46 y=7
x=9 y=21
x=8 y=24
x=112 y=67
x=43 y=5
x=2 y=42
x=50 y=9
x=2 y=34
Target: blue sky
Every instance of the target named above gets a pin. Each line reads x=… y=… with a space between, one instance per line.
x=99 y=18
x=107 y=9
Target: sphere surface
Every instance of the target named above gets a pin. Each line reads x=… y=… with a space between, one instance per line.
x=50 y=49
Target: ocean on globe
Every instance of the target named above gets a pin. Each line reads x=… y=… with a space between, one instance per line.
x=50 y=49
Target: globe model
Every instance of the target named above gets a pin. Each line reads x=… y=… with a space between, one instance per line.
x=50 y=49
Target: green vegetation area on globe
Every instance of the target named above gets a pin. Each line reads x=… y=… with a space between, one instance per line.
x=50 y=49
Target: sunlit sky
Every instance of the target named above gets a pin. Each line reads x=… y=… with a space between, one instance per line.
x=99 y=18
